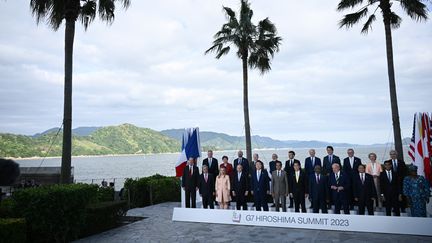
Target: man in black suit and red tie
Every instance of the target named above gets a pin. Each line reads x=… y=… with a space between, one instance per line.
x=213 y=166
x=207 y=188
x=240 y=187
x=329 y=160
x=319 y=193
x=401 y=170
x=289 y=168
x=190 y=182
x=364 y=190
x=299 y=188
x=391 y=190
x=242 y=161
x=350 y=168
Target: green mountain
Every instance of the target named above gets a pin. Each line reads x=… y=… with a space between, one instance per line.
x=122 y=139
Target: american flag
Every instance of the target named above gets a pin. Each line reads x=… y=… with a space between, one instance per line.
x=411 y=150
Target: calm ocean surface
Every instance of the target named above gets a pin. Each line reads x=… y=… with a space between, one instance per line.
x=110 y=168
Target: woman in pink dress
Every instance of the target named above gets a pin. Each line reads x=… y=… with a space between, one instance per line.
x=374 y=168
x=223 y=189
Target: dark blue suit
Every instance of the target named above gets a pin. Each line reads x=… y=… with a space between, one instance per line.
x=340 y=197
x=259 y=189
x=351 y=172
x=309 y=167
x=327 y=164
x=244 y=162
x=319 y=192
x=364 y=192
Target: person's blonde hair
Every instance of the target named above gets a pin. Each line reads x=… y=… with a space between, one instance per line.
x=374 y=154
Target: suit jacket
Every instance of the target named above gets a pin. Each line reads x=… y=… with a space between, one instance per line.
x=272 y=165
x=190 y=182
x=401 y=170
x=240 y=187
x=390 y=189
x=366 y=190
x=260 y=186
x=320 y=190
x=327 y=166
x=309 y=167
x=344 y=181
x=280 y=183
x=301 y=186
x=244 y=163
x=289 y=168
x=347 y=169
x=214 y=168
x=206 y=188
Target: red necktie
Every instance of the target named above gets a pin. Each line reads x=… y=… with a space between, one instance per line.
x=190 y=171
x=205 y=177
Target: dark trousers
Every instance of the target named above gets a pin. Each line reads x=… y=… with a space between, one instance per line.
x=299 y=200
x=392 y=203
x=341 y=202
x=319 y=204
x=241 y=201
x=207 y=201
x=190 y=195
x=365 y=203
x=291 y=200
x=260 y=201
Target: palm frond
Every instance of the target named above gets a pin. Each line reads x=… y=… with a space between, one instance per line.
x=106 y=10
x=344 y=4
x=40 y=9
x=229 y=13
x=368 y=25
x=87 y=13
x=60 y=10
x=222 y=52
x=395 y=20
x=125 y=3
x=415 y=9
x=351 y=19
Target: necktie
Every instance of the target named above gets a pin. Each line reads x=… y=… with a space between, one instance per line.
x=258 y=175
x=297 y=177
x=238 y=177
x=190 y=170
x=330 y=158
x=291 y=162
x=313 y=161
x=317 y=179
x=394 y=165
x=210 y=162
x=337 y=178
x=205 y=176
x=389 y=175
x=278 y=173
x=362 y=178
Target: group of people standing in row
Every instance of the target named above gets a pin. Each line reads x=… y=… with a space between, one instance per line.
x=326 y=182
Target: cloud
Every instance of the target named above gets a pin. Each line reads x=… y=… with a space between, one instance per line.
x=149 y=68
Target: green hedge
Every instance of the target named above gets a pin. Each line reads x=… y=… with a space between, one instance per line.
x=103 y=216
x=7 y=208
x=105 y=194
x=54 y=213
x=152 y=190
x=12 y=230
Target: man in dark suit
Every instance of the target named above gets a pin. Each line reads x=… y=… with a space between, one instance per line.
x=311 y=162
x=299 y=188
x=319 y=190
x=289 y=168
x=329 y=160
x=242 y=161
x=240 y=187
x=207 y=187
x=212 y=163
x=350 y=168
x=391 y=191
x=364 y=191
x=272 y=164
x=190 y=182
x=279 y=187
x=260 y=186
x=401 y=170
x=338 y=183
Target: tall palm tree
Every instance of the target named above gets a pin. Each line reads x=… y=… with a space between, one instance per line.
x=54 y=12
x=255 y=46
x=415 y=9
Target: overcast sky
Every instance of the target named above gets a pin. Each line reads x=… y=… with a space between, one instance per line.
x=149 y=69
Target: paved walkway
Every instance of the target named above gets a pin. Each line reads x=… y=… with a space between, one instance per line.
x=159 y=227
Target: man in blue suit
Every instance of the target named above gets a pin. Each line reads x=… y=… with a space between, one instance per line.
x=350 y=168
x=364 y=191
x=318 y=190
x=242 y=161
x=329 y=160
x=339 y=182
x=260 y=186
x=311 y=162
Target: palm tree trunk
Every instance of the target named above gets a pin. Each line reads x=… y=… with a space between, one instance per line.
x=392 y=85
x=246 y=109
x=65 y=176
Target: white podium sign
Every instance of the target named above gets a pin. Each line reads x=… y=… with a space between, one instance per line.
x=356 y=223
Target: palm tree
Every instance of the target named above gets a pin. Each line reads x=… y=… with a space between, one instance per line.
x=415 y=9
x=53 y=12
x=255 y=46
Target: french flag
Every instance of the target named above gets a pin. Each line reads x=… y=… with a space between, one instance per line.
x=191 y=147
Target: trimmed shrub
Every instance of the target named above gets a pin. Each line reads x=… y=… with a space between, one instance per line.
x=7 y=207
x=12 y=230
x=103 y=216
x=105 y=194
x=152 y=190
x=54 y=213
